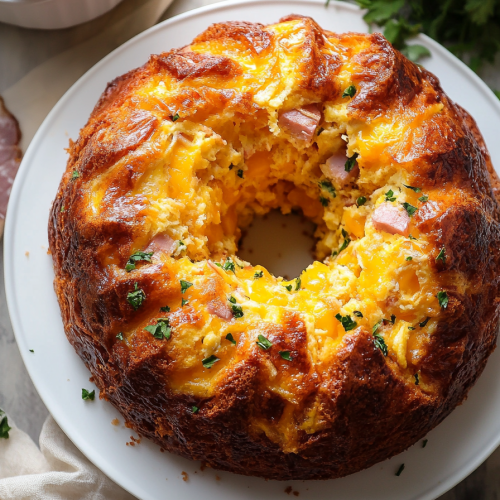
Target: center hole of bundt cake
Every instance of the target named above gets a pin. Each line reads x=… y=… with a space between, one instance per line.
x=283 y=244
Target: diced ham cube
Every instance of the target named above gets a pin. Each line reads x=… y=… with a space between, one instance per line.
x=301 y=123
x=391 y=219
x=334 y=169
x=220 y=309
x=161 y=243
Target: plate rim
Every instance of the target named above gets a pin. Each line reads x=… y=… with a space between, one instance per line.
x=440 y=487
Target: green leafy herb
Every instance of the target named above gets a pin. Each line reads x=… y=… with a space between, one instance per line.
x=380 y=343
x=359 y=314
x=347 y=240
x=4 y=425
x=184 y=302
x=361 y=201
x=63 y=209
x=194 y=409
x=424 y=443
x=443 y=299
x=376 y=326
x=240 y=173
x=417 y=380
x=328 y=186
x=389 y=196
x=288 y=287
x=88 y=396
x=442 y=255
x=161 y=330
x=409 y=257
x=349 y=91
x=75 y=175
x=232 y=300
x=175 y=117
x=263 y=343
x=286 y=355
x=165 y=309
x=426 y=320
x=230 y=337
x=119 y=336
x=229 y=265
x=210 y=361
x=411 y=328
x=136 y=298
x=136 y=257
x=258 y=274
x=410 y=209
x=31 y=350
x=324 y=201
x=298 y=283
x=401 y=469
x=237 y=310
x=393 y=319
x=347 y=322
x=412 y=237
x=424 y=198
x=351 y=162
x=413 y=188
x=185 y=285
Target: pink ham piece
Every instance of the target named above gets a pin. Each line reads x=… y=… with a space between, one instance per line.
x=391 y=219
x=301 y=123
x=218 y=308
x=10 y=157
x=334 y=169
x=161 y=243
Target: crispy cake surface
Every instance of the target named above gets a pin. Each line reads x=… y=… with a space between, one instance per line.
x=215 y=358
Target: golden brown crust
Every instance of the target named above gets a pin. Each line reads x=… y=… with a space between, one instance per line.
x=370 y=412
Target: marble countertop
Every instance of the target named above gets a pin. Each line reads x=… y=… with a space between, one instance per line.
x=22 y=50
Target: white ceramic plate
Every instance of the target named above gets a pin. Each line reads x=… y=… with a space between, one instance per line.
x=455 y=448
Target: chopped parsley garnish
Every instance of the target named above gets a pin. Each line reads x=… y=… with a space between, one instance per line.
x=194 y=409
x=376 y=326
x=328 y=186
x=347 y=322
x=210 y=361
x=161 y=330
x=359 y=314
x=232 y=300
x=417 y=380
x=258 y=274
x=88 y=396
x=165 y=309
x=349 y=91
x=75 y=175
x=426 y=320
x=401 y=469
x=413 y=188
x=389 y=196
x=119 y=336
x=136 y=257
x=324 y=201
x=360 y=201
x=240 y=173
x=410 y=209
x=442 y=255
x=351 y=162
x=181 y=246
x=411 y=328
x=4 y=425
x=412 y=237
x=424 y=443
x=288 y=287
x=185 y=285
x=424 y=198
x=443 y=299
x=380 y=343
x=31 y=350
x=347 y=240
x=298 y=283
x=230 y=337
x=175 y=117
x=237 y=310
x=321 y=129
x=263 y=343
x=286 y=355
x=184 y=302
x=62 y=209
x=409 y=257
x=393 y=318
x=137 y=297
x=229 y=265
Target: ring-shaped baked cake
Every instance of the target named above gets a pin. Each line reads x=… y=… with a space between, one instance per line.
x=218 y=360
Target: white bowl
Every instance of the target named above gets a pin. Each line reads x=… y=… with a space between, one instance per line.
x=52 y=14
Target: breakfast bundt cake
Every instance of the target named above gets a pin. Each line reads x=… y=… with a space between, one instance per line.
x=216 y=359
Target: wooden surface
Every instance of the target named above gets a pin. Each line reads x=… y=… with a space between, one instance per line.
x=22 y=50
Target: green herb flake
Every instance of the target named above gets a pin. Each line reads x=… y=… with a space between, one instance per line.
x=298 y=283
x=328 y=186
x=417 y=380
x=258 y=274
x=161 y=330
x=175 y=117
x=443 y=299
x=411 y=328
x=380 y=343
x=324 y=201
x=389 y=196
x=376 y=326
x=194 y=409
x=263 y=343
x=4 y=425
x=351 y=162
x=321 y=129
x=409 y=258
x=136 y=298
x=185 y=285
x=442 y=255
x=410 y=209
x=31 y=350
x=237 y=311
x=240 y=173
x=75 y=175
x=119 y=336
x=230 y=337
x=424 y=443
x=347 y=322
x=346 y=242
x=358 y=314
x=413 y=188
x=165 y=309
x=184 y=302
x=88 y=396
x=136 y=257
x=424 y=198
x=232 y=300
x=210 y=361
x=349 y=92
x=288 y=287
x=62 y=209
x=401 y=469
x=412 y=237
x=393 y=318
x=426 y=320
x=286 y=355
x=360 y=201
x=229 y=265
